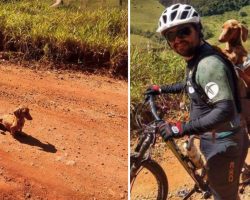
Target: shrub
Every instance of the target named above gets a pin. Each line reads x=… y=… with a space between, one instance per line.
x=243 y=14
x=207 y=32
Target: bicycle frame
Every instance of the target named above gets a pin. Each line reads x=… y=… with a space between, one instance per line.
x=148 y=140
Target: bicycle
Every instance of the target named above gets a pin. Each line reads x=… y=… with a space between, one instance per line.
x=141 y=160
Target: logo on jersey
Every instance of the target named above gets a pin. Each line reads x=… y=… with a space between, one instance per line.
x=211 y=89
x=190 y=89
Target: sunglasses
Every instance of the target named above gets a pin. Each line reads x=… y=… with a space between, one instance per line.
x=180 y=33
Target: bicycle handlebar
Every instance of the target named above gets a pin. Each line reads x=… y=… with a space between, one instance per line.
x=150 y=98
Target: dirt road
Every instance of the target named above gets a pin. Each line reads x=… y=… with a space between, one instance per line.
x=179 y=181
x=76 y=144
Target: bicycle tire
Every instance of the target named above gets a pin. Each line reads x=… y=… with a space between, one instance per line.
x=159 y=174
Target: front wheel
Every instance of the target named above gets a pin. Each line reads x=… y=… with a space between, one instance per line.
x=148 y=181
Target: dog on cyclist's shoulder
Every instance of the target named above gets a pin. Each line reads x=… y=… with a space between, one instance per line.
x=14 y=122
x=233 y=34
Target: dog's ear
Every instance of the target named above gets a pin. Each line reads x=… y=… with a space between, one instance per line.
x=244 y=33
x=17 y=112
x=26 y=113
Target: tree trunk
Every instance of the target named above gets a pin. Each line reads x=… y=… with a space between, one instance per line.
x=57 y=3
x=120 y=3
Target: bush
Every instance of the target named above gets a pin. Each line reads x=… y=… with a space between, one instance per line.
x=207 y=32
x=243 y=14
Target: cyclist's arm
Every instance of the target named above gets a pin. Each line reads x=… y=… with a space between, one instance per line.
x=222 y=112
x=212 y=75
x=174 y=88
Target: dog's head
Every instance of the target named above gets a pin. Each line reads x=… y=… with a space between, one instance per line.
x=233 y=30
x=23 y=112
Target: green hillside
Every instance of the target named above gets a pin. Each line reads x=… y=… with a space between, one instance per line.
x=210 y=7
x=145 y=16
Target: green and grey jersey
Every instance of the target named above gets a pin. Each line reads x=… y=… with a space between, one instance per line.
x=215 y=78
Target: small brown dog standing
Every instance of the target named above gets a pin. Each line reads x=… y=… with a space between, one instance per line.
x=14 y=122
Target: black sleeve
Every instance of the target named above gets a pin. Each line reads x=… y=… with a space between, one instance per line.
x=222 y=112
x=174 y=88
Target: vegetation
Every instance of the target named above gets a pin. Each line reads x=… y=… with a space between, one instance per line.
x=91 y=37
x=152 y=67
x=211 y=7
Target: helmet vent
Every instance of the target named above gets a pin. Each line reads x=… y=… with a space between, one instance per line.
x=187 y=7
x=184 y=14
x=173 y=15
x=195 y=14
x=176 y=6
x=164 y=17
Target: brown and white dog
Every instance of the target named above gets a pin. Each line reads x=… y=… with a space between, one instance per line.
x=14 y=122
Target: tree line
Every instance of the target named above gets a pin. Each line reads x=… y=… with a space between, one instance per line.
x=210 y=7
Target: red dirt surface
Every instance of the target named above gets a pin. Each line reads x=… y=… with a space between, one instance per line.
x=178 y=178
x=76 y=145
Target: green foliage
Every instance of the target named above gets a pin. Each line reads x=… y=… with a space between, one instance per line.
x=242 y=14
x=93 y=4
x=65 y=34
x=207 y=32
x=211 y=7
x=155 y=37
x=148 y=67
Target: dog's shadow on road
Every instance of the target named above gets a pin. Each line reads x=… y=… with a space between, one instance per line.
x=28 y=139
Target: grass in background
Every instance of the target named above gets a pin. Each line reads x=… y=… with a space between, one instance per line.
x=148 y=67
x=70 y=34
x=144 y=16
x=93 y=4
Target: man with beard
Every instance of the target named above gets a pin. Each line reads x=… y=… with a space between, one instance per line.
x=211 y=85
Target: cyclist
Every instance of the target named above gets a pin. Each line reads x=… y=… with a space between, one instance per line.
x=211 y=85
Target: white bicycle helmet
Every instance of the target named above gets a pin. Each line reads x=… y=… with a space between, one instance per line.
x=177 y=14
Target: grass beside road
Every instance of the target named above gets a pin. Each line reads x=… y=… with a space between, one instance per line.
x=68 y=34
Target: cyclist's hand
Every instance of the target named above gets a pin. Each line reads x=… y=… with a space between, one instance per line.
x=153 y=90
x=168 y=131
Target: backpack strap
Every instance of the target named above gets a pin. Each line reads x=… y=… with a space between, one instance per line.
x=208 y=52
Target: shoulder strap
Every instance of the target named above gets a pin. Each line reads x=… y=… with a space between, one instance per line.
x=197 y=87
x=200 y=90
